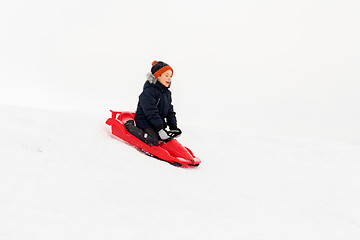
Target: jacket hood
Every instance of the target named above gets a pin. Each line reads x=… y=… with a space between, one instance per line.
x=151 y=78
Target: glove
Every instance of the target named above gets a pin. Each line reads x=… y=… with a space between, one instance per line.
x=175 y=130
x=166 y=135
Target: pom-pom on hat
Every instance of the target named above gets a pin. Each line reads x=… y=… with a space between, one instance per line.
x=159 y=68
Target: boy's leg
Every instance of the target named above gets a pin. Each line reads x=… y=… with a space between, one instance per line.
x=137 y=132
x=148 y=135
x=151 y=136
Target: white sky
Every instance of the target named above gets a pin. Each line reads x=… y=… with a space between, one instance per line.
x=271 y=67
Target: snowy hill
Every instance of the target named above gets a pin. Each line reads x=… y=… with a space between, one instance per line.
x=62 y=176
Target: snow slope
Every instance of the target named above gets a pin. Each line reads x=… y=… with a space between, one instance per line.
x=62 y=176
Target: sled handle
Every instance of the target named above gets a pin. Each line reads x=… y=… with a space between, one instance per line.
x=114 y=113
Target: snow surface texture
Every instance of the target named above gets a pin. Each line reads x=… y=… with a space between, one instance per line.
x=63 y=176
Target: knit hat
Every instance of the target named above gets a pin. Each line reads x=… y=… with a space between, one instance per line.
x=159 y=68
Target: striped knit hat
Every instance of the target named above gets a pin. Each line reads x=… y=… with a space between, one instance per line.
x=159 y=68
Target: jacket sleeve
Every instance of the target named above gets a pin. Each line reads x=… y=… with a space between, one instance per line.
x=148 y=102
x=171 y=117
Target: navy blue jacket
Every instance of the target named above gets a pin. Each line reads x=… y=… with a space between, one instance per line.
x=154 y=107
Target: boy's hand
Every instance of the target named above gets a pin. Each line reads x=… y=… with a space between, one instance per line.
x=166 y=135
x=177 y=132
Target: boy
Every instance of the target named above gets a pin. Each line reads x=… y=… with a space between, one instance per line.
x=154 y=107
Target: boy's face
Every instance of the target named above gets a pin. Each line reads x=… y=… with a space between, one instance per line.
x=165 y=78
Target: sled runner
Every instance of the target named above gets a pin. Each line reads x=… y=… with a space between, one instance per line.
x=172 y=151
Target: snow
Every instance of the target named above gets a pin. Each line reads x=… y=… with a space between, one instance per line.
x=63 y=176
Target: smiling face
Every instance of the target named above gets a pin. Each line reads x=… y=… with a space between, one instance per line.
x=165 y=78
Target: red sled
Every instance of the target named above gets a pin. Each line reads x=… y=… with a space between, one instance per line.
x=172 y=151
